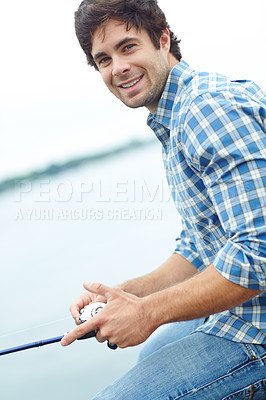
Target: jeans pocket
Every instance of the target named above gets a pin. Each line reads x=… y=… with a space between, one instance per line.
x=257 y=391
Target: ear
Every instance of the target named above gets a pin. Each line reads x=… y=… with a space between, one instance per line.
x=165 y=40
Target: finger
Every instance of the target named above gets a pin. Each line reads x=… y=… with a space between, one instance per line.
x=79 y=331
x=95 y=298
x=100 y=289
x=100 y=299
x=100 y=338
x=78 y=304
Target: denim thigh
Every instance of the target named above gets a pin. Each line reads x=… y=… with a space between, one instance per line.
x=167 y=334
x=197 y=367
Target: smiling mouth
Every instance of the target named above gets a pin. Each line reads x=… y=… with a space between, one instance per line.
x=129 y=85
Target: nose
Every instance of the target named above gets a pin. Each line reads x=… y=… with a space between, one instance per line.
x=120 y=67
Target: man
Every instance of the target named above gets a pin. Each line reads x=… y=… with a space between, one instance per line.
x=213 y=136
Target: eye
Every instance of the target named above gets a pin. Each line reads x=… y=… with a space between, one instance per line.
x=129 y=47
x=104 y=60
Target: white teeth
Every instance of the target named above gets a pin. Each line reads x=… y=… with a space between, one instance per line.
x=131 y=84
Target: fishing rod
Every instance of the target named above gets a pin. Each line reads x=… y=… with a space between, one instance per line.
x=41 y=343
x=86 y=313
x=31 y=345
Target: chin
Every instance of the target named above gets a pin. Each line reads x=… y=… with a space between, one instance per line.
x=133 y=104
x=136 y=103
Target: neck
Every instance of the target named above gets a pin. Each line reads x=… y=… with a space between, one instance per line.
x=172 y=61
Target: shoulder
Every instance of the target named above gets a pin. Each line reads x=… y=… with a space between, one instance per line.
x=198 y=87
x=223 y=124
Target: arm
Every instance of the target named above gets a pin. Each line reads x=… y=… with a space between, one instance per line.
x=176 y=269
x=128 y=320
x=224 y=143
x=204 y=294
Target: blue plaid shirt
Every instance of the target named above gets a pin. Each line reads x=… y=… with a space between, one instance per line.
x=213 y=135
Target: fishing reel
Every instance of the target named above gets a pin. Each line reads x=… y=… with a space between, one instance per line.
x=88 y=312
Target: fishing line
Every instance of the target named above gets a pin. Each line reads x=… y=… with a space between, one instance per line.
x=35 y=327
x=88 y=312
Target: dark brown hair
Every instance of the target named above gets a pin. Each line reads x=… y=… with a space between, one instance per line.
x=141 y=14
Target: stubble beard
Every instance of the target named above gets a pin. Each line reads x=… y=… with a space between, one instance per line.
x=153 y=96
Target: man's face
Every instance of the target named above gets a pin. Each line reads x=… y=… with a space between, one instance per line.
x=131 y=67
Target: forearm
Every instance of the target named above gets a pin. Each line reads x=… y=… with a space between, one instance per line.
x=129 y=320
x=204 y=294
x=175 y=270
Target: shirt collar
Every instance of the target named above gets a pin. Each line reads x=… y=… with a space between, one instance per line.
x=178 y=79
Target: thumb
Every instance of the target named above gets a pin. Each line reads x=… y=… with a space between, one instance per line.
x=99 y=288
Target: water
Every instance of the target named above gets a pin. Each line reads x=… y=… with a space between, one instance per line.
x=108 y=221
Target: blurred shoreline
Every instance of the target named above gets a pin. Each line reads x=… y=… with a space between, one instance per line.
x=58 y=168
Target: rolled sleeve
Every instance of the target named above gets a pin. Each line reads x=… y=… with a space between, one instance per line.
x=241 y=207
x=229 y=152
x=240 y=265
x=185 y=246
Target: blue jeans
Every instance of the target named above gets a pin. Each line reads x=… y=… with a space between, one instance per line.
x=178 y=365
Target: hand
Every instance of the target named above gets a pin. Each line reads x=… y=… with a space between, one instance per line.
x=83 y=300
x=126 y=320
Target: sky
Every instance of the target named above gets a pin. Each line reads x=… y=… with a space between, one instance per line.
x=55 y=107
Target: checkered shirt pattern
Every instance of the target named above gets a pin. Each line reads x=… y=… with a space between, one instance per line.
x=213 y=135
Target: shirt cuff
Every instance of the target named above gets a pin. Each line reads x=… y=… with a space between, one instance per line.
x=239 y=265
x=190 y=253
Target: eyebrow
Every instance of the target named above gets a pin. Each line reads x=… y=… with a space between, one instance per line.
x=117 y=46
